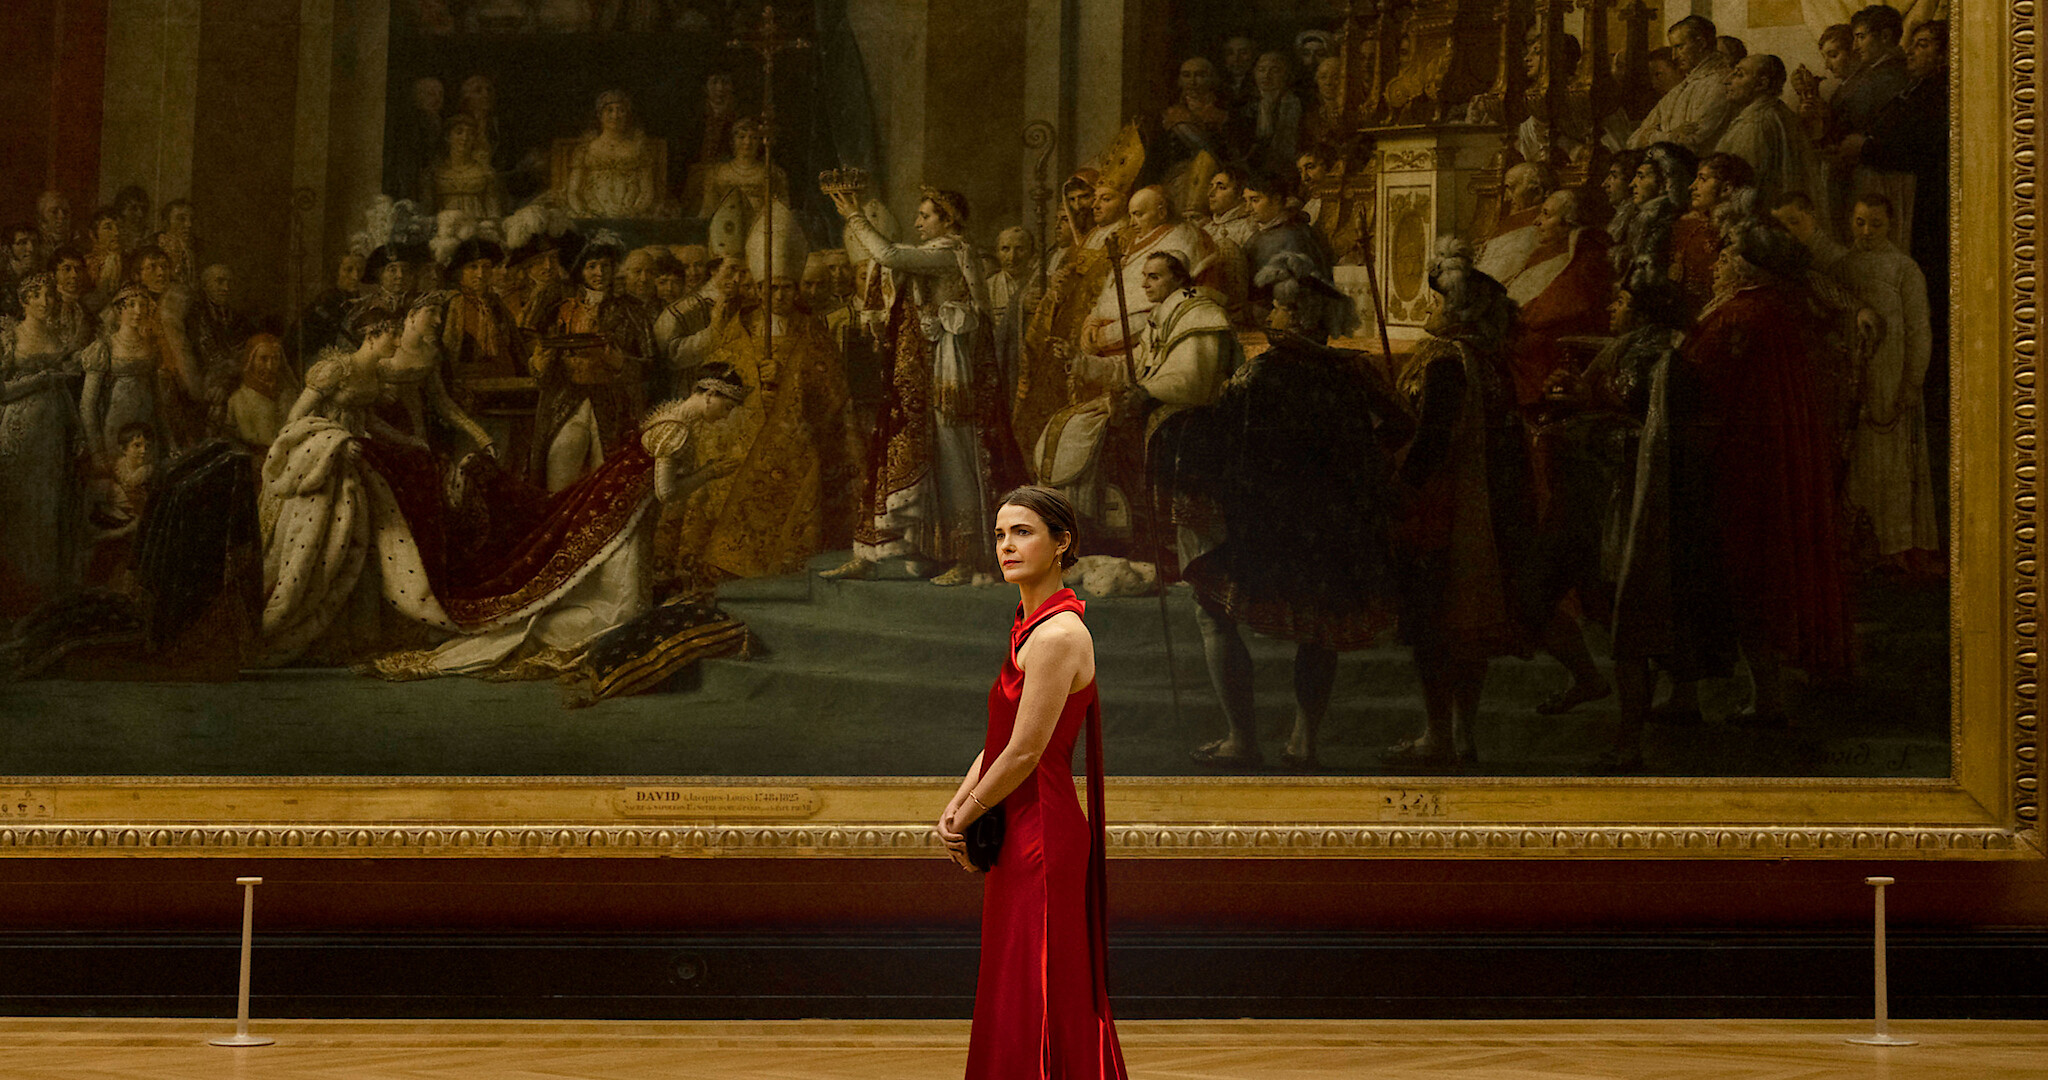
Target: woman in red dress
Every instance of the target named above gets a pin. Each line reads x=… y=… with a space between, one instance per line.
x=1041 y=1008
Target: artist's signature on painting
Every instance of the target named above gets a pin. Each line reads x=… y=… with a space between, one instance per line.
x=1865 y=758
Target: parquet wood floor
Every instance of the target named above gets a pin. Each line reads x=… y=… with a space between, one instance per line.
x=77 y=1049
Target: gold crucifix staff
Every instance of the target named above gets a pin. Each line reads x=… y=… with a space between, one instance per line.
x=768 y=40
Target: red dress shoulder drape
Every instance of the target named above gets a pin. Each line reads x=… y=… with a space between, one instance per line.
x=1041 y=1007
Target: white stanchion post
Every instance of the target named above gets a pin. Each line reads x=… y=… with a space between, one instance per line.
x=241 y=1037
x=1881 y=1034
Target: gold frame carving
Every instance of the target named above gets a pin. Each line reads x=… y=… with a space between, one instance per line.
x=1988 y=808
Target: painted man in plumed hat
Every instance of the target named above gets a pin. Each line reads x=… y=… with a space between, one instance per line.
x=591 y=356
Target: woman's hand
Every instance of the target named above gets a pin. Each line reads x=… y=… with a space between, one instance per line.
x=951 y=834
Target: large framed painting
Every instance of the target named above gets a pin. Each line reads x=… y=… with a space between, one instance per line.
x=1507 y=428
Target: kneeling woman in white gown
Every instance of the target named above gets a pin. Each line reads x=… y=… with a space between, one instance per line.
x=345 y=579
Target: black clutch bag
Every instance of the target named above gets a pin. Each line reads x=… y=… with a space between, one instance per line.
x=985 y=838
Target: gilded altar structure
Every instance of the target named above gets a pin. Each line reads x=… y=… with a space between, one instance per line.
x=1436 y=99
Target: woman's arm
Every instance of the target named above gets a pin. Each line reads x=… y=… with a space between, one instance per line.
x=89 y=414
x=967 y=782
x=672 y=483
x=14 y=389
x=1060 y=651
x=308 y=403
x=444 y=404
x=380 y=428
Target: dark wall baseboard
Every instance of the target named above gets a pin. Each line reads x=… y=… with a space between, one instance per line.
x=1988 y=974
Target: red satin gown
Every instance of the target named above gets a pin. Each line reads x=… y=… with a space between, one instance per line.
x=1041 y=1008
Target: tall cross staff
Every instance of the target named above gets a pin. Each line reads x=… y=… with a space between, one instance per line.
x=1039 y=135
x=768 y=40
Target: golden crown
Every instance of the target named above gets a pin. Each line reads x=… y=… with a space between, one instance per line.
x=843 y=181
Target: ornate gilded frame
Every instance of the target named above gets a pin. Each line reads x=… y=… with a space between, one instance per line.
x=1989 y=807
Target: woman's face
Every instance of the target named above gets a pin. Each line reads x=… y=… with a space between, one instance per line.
x=612 y=117
x=1648 y=184
x=461 y=142
x=717 y=406
x=382 y=342
x=129 y=318
x=36 y=305
x=1025 y=547
x=746 y=143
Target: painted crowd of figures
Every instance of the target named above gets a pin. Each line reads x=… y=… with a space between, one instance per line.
x=1674 y=400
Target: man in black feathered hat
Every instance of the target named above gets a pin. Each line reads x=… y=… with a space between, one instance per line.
x=388 y=281
x=483 y=342
x=537 y=282
x=592 y=357
x=479 y=335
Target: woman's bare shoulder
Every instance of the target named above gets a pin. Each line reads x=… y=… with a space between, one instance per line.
x=1066 y=624
x=1063 y=634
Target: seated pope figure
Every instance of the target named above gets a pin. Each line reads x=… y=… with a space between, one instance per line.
x=1157 y=227
x=1183 y=354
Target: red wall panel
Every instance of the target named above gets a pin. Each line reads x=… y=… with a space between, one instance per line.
x=667 y=895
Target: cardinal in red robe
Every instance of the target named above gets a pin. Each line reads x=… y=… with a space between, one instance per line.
x=1563 y=288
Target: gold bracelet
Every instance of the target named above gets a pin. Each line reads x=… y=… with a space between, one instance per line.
x=978 y=802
